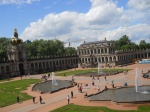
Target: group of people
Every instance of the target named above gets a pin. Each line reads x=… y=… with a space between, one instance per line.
x=40 y=99
x=68 y=97
x=33 y=98
x=45 y=77
x=80 y=88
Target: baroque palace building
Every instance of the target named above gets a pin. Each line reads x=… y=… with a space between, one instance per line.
x=19 y=64
x=104 y=53
x=89 y=54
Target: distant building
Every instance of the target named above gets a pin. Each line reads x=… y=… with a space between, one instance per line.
x=104 y=52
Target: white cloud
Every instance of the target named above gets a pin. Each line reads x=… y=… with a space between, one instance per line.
x=104 y=19
x=137 y=32
x=18 y=2
x=104 y=13
x=139 y=4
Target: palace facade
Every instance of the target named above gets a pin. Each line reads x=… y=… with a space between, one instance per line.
x=104 y=53
x=19 y=64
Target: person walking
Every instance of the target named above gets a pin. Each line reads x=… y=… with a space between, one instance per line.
x=18 y=100
x=68 y=98
x=105 y=78
x=112 y=82
x=98 y=79
x=48 y=75
x=98 y=88
x=40 y=99
x=33 y=98
x=71 y=94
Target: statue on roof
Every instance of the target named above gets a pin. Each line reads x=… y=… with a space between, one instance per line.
x=15 y=33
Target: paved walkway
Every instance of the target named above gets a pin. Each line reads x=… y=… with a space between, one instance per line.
x=58 y=99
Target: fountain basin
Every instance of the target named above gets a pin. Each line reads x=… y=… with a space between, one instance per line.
x=47 y=86
x=122 y=95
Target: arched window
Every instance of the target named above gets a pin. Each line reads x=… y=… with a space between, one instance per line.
x=47 y=64
x=99 y=59
x=88 y=51
x=98 y=51
x=7 y=68
x=91 y=51
x=114 y=58
x=94 y=51
x=102 y=51
x=32 y=66
x=95 y=59
x=102 y=59
x=105 y=50
x=110 y=59
x=43 y=64
x=36 y=65
x=106 y=59
x=40 y=65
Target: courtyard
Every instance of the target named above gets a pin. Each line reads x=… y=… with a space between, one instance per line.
x=52 y=101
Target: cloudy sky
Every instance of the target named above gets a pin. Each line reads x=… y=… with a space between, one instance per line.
x=76 y=21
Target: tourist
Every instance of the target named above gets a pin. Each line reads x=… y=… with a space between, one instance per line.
x=68 y=98
x=113 y=86
x=105 y=78
x=142 y=71
x=41 y=77
x=33 y=98
x=40 y=98
x=18 y=100
x=98 y=79
x=106 y=87
x=92 y=83
x=98 y=88
x=93 y=78
x=48 y=75
x=80 y=89
x=125 y=84
x=71 y=94
x=86 y=86
x=85 y=94
x=72 y=78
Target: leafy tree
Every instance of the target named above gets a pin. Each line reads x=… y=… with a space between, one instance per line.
x=4 y=43
x=144 y=45
x=70 y=50
x=122 y=43
x=47 y=47
x=125 y=43
x=142 y=42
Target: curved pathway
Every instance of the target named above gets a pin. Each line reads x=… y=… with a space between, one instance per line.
x=58 y=99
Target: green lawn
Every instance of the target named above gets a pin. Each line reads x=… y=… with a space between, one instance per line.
x=67 y=73
x=10 y=90
x=77 y=108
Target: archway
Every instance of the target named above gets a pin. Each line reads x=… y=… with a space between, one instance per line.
x=21 y=69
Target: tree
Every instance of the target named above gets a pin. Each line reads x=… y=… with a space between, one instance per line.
x=4 y=43
x=70 y=50
x=47 y=47
x=125 y=43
